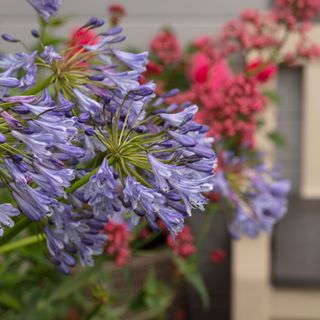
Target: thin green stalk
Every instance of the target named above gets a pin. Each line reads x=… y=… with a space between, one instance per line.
x=206 y=225
x=79 y=183
x=21 y=243
x=18 y=227
x=39 y=86
x=94 y=311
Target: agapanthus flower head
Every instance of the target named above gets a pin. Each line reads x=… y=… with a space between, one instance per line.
x=46 y=8
x=257 y=195
x=166 y=47
x=92 y=144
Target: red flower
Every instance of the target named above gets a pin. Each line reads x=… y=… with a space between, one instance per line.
x=118 y=242
x=166 y=47
x=217 y=256
x=153 y=68
x=214 y=196
x=181 y=315
x=260 y=71
x=182 y=245
x=81 y=37
x=116 y=11
x=73 y=314
x=200 y=68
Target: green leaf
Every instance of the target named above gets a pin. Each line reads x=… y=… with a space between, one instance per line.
x=9 y=301
x=155 y=296
x=277 y=138
x=272 y=96
x=192 y=274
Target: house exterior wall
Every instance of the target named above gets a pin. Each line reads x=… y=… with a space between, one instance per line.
x=189 y=18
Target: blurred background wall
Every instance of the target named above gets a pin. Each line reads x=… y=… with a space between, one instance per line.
x=189 y=18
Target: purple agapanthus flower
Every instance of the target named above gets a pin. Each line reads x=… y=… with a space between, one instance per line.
x=13 y=65
x=258 y=196
x=7 y=212
x=95 y=144
x=46 y=8
x=71 y=234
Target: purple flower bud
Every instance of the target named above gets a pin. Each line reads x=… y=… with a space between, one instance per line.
x=204 y=129
x=200 y=166
x=92 y=21
x=9 y=82
x=89 y=132
x=99 y=23
x=97 y=77
x=106 y=100
x=2 y=138
x=17 y=157
x=9 y=38
x=11 y=121
x=183 y=139
x=112 y=31
x=203 y=151
x=118 y=39
x=27 y=131
x=21 y=109
x=173 y=196
x=84 y=117
x=171 y=93
x=20 y=99
x=143 y=91
x=140 y=129
x=35 y=33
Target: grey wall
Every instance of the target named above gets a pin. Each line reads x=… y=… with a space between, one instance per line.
x=290 y=111
x=190 y=18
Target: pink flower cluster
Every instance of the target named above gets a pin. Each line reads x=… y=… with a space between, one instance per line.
x=262 y=71
x=252 y=31
x=118 y=242
x=166 y=47
x=229 y=103
x=293 y=11
x=182 y=245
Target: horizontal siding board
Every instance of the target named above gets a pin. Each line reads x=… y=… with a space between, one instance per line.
x=138 y=31
x=142 y=7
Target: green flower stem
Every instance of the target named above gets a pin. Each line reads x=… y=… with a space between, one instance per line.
x=21 y=243
x=79 y=183
x=18 y=227
x=94 y=311
x=207 y=224
x=40 y=85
